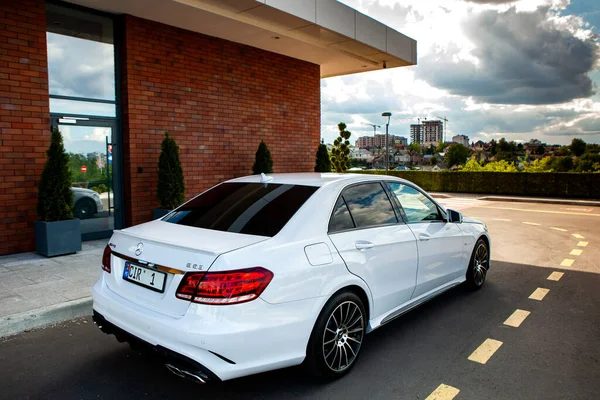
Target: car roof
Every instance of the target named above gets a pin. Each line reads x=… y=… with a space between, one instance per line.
x=315 y=178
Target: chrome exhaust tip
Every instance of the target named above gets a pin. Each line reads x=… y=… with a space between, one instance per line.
x=182 y=373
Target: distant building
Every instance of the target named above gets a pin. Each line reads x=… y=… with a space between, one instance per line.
x=399 y=140
x=433 y=133
x=378 y=141
x=364 y=142
x=462 y=139
x=416 y=133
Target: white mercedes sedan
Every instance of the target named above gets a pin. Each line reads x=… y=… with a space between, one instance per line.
x=265 y=272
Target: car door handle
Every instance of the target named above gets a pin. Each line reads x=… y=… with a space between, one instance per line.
x=423 y=236
x=363 y=245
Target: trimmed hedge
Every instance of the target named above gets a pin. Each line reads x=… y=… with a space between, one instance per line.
x=546 y=184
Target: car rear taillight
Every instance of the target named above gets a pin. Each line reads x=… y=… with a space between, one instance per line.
x=227 y=287
x=106 y=259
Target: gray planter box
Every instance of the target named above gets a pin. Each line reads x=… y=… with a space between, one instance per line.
x=57 y=238
x=159 y=213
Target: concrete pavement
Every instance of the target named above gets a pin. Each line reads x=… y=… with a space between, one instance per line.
x=36 y=291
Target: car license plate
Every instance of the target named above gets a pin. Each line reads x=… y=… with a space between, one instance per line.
x=147 y=277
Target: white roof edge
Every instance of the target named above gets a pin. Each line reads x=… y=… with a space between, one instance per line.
x=345 y=20
x=333 y=35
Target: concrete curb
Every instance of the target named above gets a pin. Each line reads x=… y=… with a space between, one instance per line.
x=17 y=323
x=591 y=203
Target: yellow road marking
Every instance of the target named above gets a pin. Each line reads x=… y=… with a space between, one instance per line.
x=443 y=392
x=531 y=223
x=582 y=244
x=576 y=252
x=517 y=318
x=578 y=236
x=567 y=262
x=539 y=294
x=555 y=276
x=485 y=351
x=501 y=219
x=541 y=211
x=558 y=229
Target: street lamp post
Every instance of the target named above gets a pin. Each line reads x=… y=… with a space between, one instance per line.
x=387 y=156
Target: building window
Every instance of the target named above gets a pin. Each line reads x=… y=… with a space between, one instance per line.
x=81 y=62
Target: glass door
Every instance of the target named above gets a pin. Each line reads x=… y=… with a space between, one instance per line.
x=95 y=173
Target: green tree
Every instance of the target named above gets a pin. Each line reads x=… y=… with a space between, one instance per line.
x=541 y=150
x=263 y=163
x=500 y=166
x=341 y=149
x=441 y=147
x=323 y=163
x=561 y=164
x=578 y=147
x=431 y=149
x=541 y=165
x=563 y=151
x=434 y=160
x=472 y=166
x=456 y=154
x=416 y=147
x=55 y=198
x=493 y=147
x=171 y=187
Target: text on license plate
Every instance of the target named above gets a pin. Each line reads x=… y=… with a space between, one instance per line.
x=147 y=277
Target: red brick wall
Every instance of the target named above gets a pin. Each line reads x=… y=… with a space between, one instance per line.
x=218 y=99
x=24 y=119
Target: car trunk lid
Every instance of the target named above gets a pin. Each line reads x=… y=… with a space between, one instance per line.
x=157 y=246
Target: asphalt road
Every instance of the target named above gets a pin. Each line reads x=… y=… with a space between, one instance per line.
x=553 y=354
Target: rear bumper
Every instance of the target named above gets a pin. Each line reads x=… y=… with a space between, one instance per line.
x=224 y=341
x=175 y=361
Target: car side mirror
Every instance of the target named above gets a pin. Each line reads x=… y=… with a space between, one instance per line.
x=454 y=216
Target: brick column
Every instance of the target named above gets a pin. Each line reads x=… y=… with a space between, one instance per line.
x=24 y=119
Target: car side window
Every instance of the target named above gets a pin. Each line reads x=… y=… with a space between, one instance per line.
x=369 y=205
x=341 y=219
x=416 y=206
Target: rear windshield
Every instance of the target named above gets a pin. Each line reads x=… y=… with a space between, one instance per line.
x=250 y=208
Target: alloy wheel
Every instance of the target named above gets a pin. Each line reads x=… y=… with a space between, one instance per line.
x=343 y=336
x=480 y=266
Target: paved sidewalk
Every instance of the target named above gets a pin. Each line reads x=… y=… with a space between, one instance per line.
x=36 y=291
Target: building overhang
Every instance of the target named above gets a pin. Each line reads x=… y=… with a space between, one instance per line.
x=325 y=32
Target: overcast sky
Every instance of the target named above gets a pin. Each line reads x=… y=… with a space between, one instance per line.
x=495 y=68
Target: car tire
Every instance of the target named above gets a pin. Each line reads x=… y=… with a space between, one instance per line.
x=84 y=208
x=336 y=339
x=478 y=265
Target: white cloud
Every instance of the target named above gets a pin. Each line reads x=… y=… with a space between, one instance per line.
x=448 y=44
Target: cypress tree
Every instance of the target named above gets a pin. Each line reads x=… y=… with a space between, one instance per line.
x=55 y=198
x=263 y=162
x=323 y=163
x=171 y=187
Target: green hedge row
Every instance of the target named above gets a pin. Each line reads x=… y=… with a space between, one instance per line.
x=548 y=184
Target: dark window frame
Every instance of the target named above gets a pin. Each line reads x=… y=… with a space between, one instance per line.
x=399 y=218
x=441 y=211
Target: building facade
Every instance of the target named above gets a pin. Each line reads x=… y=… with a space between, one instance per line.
x=378 y=141
x=462 y=139
x=115 y=76
x=416 y=133
x=433 y=133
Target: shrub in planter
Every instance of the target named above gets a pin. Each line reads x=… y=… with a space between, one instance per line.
x=323 y=163
x=56 y=231
x=171 y=187
x=263 y=162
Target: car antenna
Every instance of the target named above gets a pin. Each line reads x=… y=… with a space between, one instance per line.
x=264 y=178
